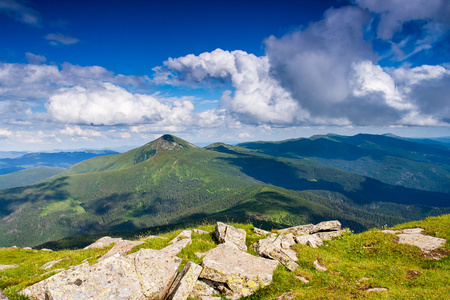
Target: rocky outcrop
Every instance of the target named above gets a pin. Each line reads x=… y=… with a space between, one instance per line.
x=203 y=288
x=144 y=274
x=278 y=248
x=226 y=233
x=241 y=272
x=414 y=237
x=185 y=234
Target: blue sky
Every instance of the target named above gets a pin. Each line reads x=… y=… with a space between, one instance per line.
x=95 y=74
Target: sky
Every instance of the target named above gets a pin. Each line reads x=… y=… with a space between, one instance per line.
x=103 y=74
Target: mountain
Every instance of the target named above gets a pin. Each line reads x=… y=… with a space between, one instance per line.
x=170 y=181
x=54 y=160
x=385 y=158
x=27 y=176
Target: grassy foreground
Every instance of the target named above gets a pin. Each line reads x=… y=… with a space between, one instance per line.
x=355 y=262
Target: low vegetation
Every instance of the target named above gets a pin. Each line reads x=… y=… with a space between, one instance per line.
x=355 y=262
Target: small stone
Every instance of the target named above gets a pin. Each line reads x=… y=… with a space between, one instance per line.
x=45 y=249
x=376 y=289
x=319 y=267
x=260 y=231
x=311 y=240
x=302 y=279
x=209 y=298
x=50 y=264
x=27 y=248
x=3 y=296
x=199 y=231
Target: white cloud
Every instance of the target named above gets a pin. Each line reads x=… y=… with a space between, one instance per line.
x=257 y=97
x=108 y=104
x=21 y=12
x=61 y=39
x=78 y=131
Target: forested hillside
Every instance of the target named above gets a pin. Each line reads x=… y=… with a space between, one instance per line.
x=170 y=181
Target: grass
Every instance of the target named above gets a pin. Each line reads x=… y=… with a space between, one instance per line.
x=355 y=262
x=65 y=205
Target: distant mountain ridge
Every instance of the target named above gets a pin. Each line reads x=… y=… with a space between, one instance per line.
x=48 y=159
x=170 y=181
x=385 y=158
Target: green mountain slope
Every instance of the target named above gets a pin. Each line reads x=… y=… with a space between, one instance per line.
x=28 y=176
x=391 y=160
x=170 y=181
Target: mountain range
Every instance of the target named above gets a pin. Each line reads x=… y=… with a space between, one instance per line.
x=270 y=184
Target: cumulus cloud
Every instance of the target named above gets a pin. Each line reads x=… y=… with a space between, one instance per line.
x=257 y=97
x=35 y=59
x=78 y=131
x=60 y=39
x=108 y=104
x=20 y=12
x=325 y=74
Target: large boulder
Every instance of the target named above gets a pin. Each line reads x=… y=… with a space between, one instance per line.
x=241 y=272
x=146 y=274
x=226 y=233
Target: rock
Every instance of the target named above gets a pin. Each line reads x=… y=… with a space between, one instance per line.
x=412 y=230
x=376 y=289
x=243 y=273
x=185 y=282
x=26 y=248
x=203 y=287
x=200 y=254
x=199 y=231
x=319 y=267
x=121 y=248
x=45 y=249
x=260 y=231
x=209 y=298
x=144 y=274
x=103 y=242
x=328 y=235
x=3 y=267
x=177 y=247
x=286 y=296
x=311 y=240
x=50 y=264
x=278 y=248
x=424 y=242
x=328 y=226
x=226 y=233
x=310 y=228
x=302 y=279
x=185 y=234
x=3 y=296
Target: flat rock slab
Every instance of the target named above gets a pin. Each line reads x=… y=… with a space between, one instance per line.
x=203 y=288
x=424 y=242
x=121 y=248
x=103 y=242
x=146 y=274
x=243 y=273
x=199 y=231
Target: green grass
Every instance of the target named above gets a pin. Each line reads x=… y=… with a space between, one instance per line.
x=355 y=263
